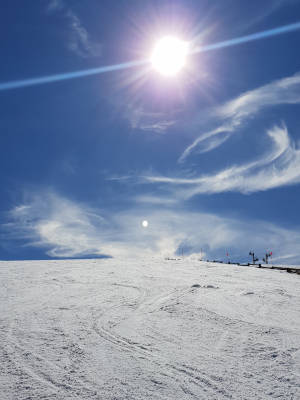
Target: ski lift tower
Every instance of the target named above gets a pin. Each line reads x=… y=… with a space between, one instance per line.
x=254 y=259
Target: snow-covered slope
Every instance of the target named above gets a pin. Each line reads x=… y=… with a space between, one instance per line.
x=147 y=329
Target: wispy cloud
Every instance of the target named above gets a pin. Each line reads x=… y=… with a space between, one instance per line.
x=263 y=11
x=239 y=111
x=207 y=141
x=55 y=5
x=67 y=229
x=283 y=91
x=155 y=200
x=79 y=40
x=156 y=122
x=279 y=166
x=53 y=222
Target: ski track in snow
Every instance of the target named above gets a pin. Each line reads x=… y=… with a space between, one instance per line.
x=137 y=329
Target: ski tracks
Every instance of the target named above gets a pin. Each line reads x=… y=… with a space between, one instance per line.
x=22 y=360
x=190 y=380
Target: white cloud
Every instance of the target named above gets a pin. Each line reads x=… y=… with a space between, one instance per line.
x=79 y=40
x=155 y=200
x=157 y=122
x=57 y=223
x=279 y=166
x=55 y=5
x=69 y=229
x=264 y=10
x=283 y=91
x=207 y=142
x=242 y=109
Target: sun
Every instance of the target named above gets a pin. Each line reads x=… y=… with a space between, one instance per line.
x=169 y=55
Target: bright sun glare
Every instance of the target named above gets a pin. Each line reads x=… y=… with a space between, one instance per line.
x=169 y=55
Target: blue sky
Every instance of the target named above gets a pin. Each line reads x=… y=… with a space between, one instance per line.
x=210 y=158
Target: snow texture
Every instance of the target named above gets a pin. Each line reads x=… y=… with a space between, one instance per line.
x=147 y=329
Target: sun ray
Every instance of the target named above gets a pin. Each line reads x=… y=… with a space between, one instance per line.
x=131 y=64
x=249 y=38
x=69 y=75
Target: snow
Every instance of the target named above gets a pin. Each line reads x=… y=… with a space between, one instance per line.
x=147 y=328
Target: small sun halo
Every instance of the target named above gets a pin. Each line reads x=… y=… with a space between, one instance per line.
x=145 y=224
x=169 y=55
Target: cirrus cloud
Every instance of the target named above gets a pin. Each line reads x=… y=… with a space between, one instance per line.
x=78 y=40
x=66 y=228
x=237 y=112
x=279 y=166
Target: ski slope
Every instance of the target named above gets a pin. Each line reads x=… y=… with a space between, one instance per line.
x=147 y=329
